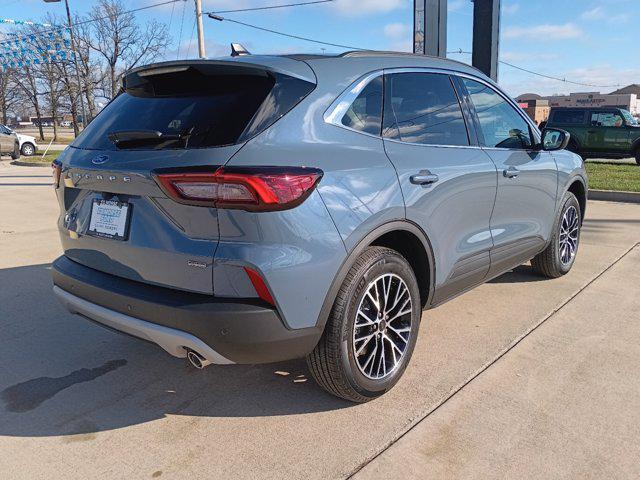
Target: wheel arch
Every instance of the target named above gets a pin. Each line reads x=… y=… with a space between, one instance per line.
x=406 y=238
x=578 y=187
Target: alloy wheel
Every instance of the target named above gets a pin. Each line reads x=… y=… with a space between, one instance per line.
x=569 y=235
x=382 y=327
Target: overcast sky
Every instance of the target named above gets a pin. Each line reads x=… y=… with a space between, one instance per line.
x=590 y=41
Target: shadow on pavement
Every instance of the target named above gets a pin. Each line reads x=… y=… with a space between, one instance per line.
x=521 y=274
x=62 y=375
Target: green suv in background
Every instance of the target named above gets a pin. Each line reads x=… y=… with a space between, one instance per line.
x=599 y=132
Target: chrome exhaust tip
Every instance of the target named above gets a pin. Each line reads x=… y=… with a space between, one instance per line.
x=197 y=360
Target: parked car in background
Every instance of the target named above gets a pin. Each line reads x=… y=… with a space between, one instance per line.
x=599 y=132
x=27 y=144
x=66 y=124
x=9 y=143
x=266 y=208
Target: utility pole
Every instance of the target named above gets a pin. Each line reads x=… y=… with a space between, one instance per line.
x=201 y=49
x=75 y=50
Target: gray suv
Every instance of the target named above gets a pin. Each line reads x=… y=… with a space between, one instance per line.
x=264 y=208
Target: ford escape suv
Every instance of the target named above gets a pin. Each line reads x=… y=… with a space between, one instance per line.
x=265 y=208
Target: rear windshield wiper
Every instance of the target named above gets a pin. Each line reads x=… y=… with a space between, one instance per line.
x=145 y=138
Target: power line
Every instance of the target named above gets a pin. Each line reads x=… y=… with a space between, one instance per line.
x=193 y=29
x=276 y=32
x=83 y=22
x=180 y=36
x=270 y=7
x=550 y=77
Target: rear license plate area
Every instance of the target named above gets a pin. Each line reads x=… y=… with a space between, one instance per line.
x=109 y=219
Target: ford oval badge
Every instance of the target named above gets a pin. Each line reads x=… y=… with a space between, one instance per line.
x=100 y=159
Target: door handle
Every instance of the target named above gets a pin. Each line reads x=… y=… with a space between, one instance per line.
x=511 y=172
x=424 y=178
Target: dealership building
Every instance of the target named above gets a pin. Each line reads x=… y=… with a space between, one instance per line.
x=538 y=107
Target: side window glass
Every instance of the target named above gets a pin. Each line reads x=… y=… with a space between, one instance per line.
x=365 y=113
x=606 y=119
x=423 y=108
x=501 y=125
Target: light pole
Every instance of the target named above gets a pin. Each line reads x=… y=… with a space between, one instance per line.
x=75 y=58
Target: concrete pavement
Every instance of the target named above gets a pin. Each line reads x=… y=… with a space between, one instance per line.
x=564 y=403
x=78 y=401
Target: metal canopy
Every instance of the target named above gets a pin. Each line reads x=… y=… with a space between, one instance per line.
x=486 y=36
x=430 y=32
x=430 y=27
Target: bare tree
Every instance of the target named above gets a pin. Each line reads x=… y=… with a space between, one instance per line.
x=28 y=81
x=50 y=75
x=121 y=42
x=9 y=94
x=92 y=73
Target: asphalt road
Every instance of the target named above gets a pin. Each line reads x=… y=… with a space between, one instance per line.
x=521 y=377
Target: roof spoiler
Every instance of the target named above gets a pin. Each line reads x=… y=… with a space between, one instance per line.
x=237 y=50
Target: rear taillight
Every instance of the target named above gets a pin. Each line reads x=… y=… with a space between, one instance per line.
x=253 y=189
x=56 y=170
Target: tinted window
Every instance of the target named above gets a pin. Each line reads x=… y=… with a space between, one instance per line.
x=423 y=108
x=500 y=123
x=193 y=110
x=365 y=113
x=606 y=119
x=570 y=117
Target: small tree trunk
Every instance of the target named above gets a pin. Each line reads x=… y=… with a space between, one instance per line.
x=36 y=104
x=91 y=106
x=112 y=73
x=55 y=126
x=74 y=114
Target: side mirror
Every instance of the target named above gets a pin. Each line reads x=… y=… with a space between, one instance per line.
x=554 y=139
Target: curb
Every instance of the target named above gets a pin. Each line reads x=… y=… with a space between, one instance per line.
x=30 y=164
x=613 y=196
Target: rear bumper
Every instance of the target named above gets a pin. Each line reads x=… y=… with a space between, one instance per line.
x=222 y=330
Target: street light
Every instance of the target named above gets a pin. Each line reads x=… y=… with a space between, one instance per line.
x=75 y=58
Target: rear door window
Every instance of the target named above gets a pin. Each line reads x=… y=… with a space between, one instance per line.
x=191 y=109
x=365 y=113
x=423 y=108
x=569 y=117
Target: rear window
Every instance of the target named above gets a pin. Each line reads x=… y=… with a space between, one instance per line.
x=570 y=117
x=193 y=109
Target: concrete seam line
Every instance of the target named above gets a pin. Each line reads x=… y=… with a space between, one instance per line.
x=486 y=366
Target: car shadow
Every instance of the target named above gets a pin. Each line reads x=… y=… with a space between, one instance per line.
x=521 y=274
x=63 y=375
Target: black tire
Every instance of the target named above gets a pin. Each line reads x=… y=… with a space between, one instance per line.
x=637 y=153
x=28 y=149
x=15 y=155
x=334 y=363
x=550 y=263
